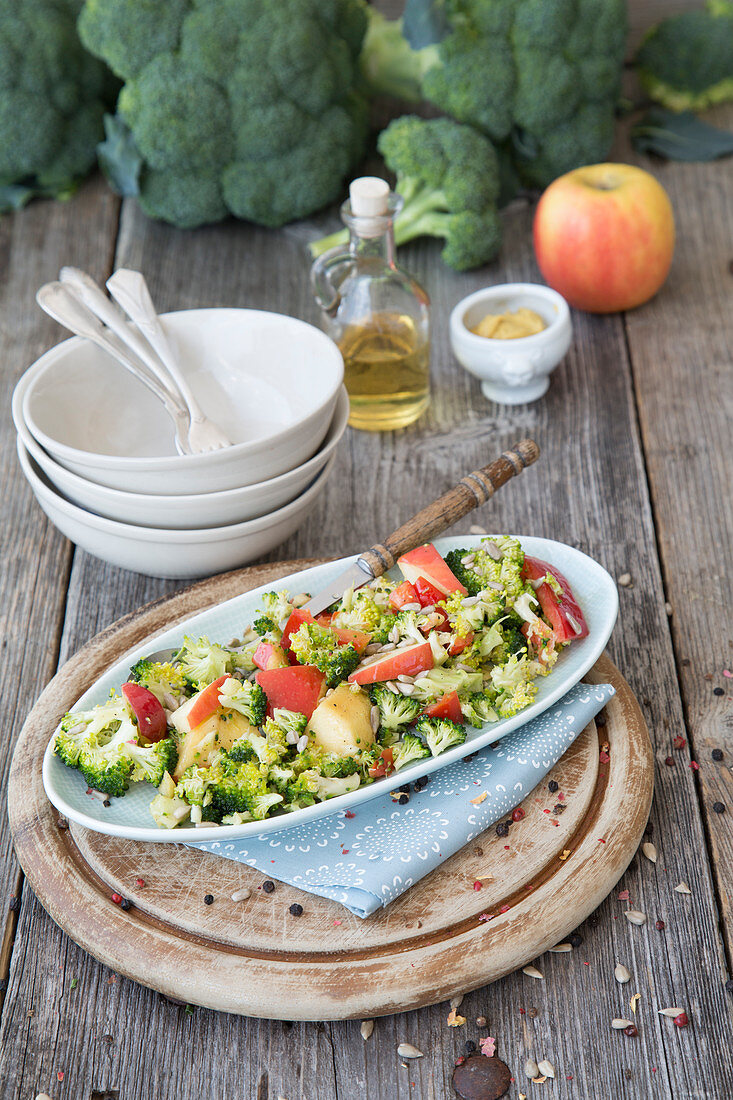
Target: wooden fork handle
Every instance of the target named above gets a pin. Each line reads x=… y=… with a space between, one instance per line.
x=471 y=490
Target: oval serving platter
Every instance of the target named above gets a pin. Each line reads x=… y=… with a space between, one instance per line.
x=130 y=817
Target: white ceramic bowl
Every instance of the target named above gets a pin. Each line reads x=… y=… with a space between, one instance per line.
x=271 y=381
x=184 y=512
x=512 y=371
x=160 y=553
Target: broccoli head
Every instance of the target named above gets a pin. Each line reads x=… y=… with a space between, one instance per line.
x=406 y=751
x=150 y=763
x=440 y=733
x=478 y=709
x=499 y=564
x=395 y=711
x=52 y=100
x=540 y=78
x=165 y=680
x=245 y=697
x=201 y=662
x=233 y=106
x=686 y=61
x=102 y=743
x=448 y=177
x=316 y=645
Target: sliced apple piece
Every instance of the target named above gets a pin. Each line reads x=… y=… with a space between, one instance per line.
x=397 y=662
x=297 y=688
x=341 y=722
x=425 y=561
x=151 y=720
x=200 y=743
x=269 y=656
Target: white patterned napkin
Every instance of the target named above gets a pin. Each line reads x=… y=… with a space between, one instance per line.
x=366 y=858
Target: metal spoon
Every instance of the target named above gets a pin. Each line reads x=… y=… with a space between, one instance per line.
x=59 y=302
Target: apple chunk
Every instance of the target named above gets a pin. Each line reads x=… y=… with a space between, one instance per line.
x=425 y=561
x=397 y=662
x=341 y=723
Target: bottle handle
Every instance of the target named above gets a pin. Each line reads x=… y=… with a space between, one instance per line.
x=326 y=295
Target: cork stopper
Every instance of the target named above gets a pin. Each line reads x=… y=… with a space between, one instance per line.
x=369 y=197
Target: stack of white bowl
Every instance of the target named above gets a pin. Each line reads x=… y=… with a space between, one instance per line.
x=99 y=453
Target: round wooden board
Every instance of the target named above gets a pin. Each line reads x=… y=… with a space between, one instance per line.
x=252 y=957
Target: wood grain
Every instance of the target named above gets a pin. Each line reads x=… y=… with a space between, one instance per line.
x=471 y=491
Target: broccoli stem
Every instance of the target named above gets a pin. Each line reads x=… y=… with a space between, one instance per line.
x=424 y=213
x=389 y=64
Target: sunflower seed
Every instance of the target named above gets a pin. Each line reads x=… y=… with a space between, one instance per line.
x=495 y=585
x=366 y=1028
x=619 y=1025
x=546 y=1068
x=625 y=580
x=468 y=560
x=635 y=916
x=576 y=627
x=373 y=647
x=464 y=668
x=410 y=607
x=683 y=888
x=291 y=737
x=532 y=972
x=387 y=645
x=302 y=743
x=649 y=851
x=428 y=609
x=392 y=686
x=621 y=974
x=470 y=601
x=406 y=689
x=375 y=718
x=300 y=599
x=474 y=529
x=241 y=895
x=169 y=701
x=561 y=948
x=404 y=679
x=394 y=635
x=672 y=1012
x=531 y=1068
x=407 y=1050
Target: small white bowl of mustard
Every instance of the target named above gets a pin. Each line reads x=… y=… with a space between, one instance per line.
x=511 y=336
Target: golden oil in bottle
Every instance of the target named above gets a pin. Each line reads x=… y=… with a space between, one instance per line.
x=376 y=313
x=386 y=371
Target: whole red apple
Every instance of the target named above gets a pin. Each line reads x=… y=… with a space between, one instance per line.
x=604 y=236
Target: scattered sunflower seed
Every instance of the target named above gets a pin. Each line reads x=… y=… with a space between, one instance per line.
x=373 y=647
x=683 y=888
x=411 y=607
x=497 y=587
x=619 y=1025
x=670 y=1011
x=625 y=580
x=493 y=551
x=374 y=718
x=531 y=1069
x=474 y=529
x=546 y=1068
x=470 y=601
x=366 y=1028
x=561 y=948
x=407 y=1050
x=635 y=917
x=668 y=608
x=387 y=646
x=406 y=689
x=649 y=851
x=468 y=560
x=405 y=679
x=621 y=974
x=241 y=895
x=532 y=972
x=392 y=686
x=574 y=624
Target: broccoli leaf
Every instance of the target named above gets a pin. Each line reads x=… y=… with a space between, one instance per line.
x=680 y=136
x=425 y=22
x=119 y=157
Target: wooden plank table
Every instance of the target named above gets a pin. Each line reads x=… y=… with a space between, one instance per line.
x=637 y=469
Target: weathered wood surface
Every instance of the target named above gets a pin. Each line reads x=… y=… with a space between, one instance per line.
x=431 y=944
x=636 y=460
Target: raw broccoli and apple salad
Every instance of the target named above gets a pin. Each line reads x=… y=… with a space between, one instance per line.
x=302 y=709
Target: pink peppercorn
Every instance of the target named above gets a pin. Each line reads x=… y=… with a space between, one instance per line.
x=117 y=898
x=681 y=1020
x=517 y=814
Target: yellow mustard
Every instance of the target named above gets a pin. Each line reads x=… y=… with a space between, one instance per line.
x=510 y=325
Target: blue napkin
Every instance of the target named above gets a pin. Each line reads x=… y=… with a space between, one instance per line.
x=367 y=857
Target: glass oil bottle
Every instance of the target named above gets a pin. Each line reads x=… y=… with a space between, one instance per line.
x=376 y=313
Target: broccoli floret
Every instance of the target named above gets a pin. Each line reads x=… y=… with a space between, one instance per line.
x=246 y=698
x=381 y=635
x=338 y=767
x=317 y=645
x=448 y=176
x=97 y=743
x=331 y=787
x=478 y=709
x=485 y=571
x=150 y=763
x=264 y=626
x=440 y=733
x=165 y=681
x=394 y=710
x=193 y=785
x=527 y=73
x=235 y=106
x=238 y=788
x=291 y=722
x=441 y=681
x=201 y=662
x=513 y=686
x=253 y=745
x=363 y=610
x=510 y=703
x=52 y=100
x=686 y=61
x=409 y=749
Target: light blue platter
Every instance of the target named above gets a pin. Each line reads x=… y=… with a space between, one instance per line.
x=130 y=816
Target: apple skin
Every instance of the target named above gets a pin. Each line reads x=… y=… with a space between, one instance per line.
x=604 y=237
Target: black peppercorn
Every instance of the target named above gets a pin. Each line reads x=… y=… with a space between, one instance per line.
x=268 y=887
x=502 y=829
x=718 y=754
x=718 y=691
x=296 y=909
x=125 y=904
x=575 y=940
x=208 y=899
x=553 y=786
x=719 y=807
x=470 y=1046
x=729 y=985
x=403 y=799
